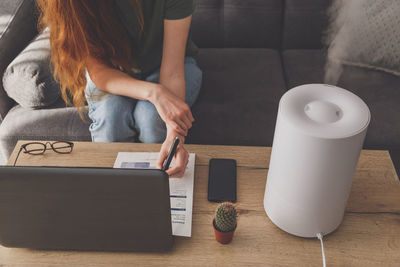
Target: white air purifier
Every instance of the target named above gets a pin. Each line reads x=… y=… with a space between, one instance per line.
x=318 y=138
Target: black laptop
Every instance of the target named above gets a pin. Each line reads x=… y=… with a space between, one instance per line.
x=85 y=209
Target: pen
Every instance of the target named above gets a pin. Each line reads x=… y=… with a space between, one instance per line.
x=171 y=153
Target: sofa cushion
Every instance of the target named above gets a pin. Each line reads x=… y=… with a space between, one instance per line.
x=304 y=66
x=28 y=79
x=56 y=122
x=239 y=98
x=378 y=89
x=237 y=23
x=304 y=23
x=364 y=33
x=17 y=28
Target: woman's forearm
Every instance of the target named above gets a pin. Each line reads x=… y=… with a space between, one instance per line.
x=116 y=82
x=172 y=73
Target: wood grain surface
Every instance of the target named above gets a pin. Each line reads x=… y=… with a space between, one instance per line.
x=368 y=236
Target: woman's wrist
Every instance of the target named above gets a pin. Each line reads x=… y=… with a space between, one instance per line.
x=154 y=93
x=171 y=134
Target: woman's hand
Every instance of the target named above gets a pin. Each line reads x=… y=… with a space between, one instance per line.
x=181 y=155
x=173 y=111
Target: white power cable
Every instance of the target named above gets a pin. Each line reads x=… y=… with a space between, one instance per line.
x=320 y=236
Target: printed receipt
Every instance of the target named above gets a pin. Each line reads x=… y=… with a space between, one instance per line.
x=181 y=189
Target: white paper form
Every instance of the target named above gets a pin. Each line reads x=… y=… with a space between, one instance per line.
x=180 y=189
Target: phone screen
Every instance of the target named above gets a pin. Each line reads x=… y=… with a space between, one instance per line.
x=222 y=180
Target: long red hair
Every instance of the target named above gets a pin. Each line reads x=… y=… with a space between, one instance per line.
x=83 y=28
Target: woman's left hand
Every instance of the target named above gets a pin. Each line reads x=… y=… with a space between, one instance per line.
x=172 y=109
x=181 y=155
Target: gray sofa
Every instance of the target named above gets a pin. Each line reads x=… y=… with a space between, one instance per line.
x=251 y=53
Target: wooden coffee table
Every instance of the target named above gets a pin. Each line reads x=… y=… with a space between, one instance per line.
x=368 y=236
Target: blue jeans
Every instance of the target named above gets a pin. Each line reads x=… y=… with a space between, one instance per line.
x=118 y=118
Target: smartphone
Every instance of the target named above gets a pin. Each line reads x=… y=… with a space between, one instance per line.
x=222 y=180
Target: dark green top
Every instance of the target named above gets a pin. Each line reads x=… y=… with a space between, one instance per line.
x=148 y=49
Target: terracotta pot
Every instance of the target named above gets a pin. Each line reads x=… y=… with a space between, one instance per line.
x=223 y=237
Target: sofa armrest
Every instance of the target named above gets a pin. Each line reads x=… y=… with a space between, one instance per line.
x=5 y=103
x=18 y=28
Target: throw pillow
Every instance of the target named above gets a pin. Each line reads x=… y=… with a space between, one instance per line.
x=28 y=79
x=18 y=21
x=363 y=33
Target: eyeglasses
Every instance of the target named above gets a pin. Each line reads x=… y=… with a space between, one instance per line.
x=38 y=148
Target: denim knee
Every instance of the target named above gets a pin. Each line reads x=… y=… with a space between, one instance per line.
x=150 y=127
x=112 y=119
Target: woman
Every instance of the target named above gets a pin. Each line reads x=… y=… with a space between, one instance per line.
x=132 y=62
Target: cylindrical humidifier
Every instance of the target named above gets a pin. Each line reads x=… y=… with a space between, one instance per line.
x=319 y=134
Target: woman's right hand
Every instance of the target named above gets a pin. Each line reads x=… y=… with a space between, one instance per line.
x=172 y=110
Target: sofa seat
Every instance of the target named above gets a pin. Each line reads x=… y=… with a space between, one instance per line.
x=239 y=98
x=380 y=90
x=56 y=122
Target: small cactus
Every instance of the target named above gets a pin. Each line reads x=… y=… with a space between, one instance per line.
x=226 y=217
